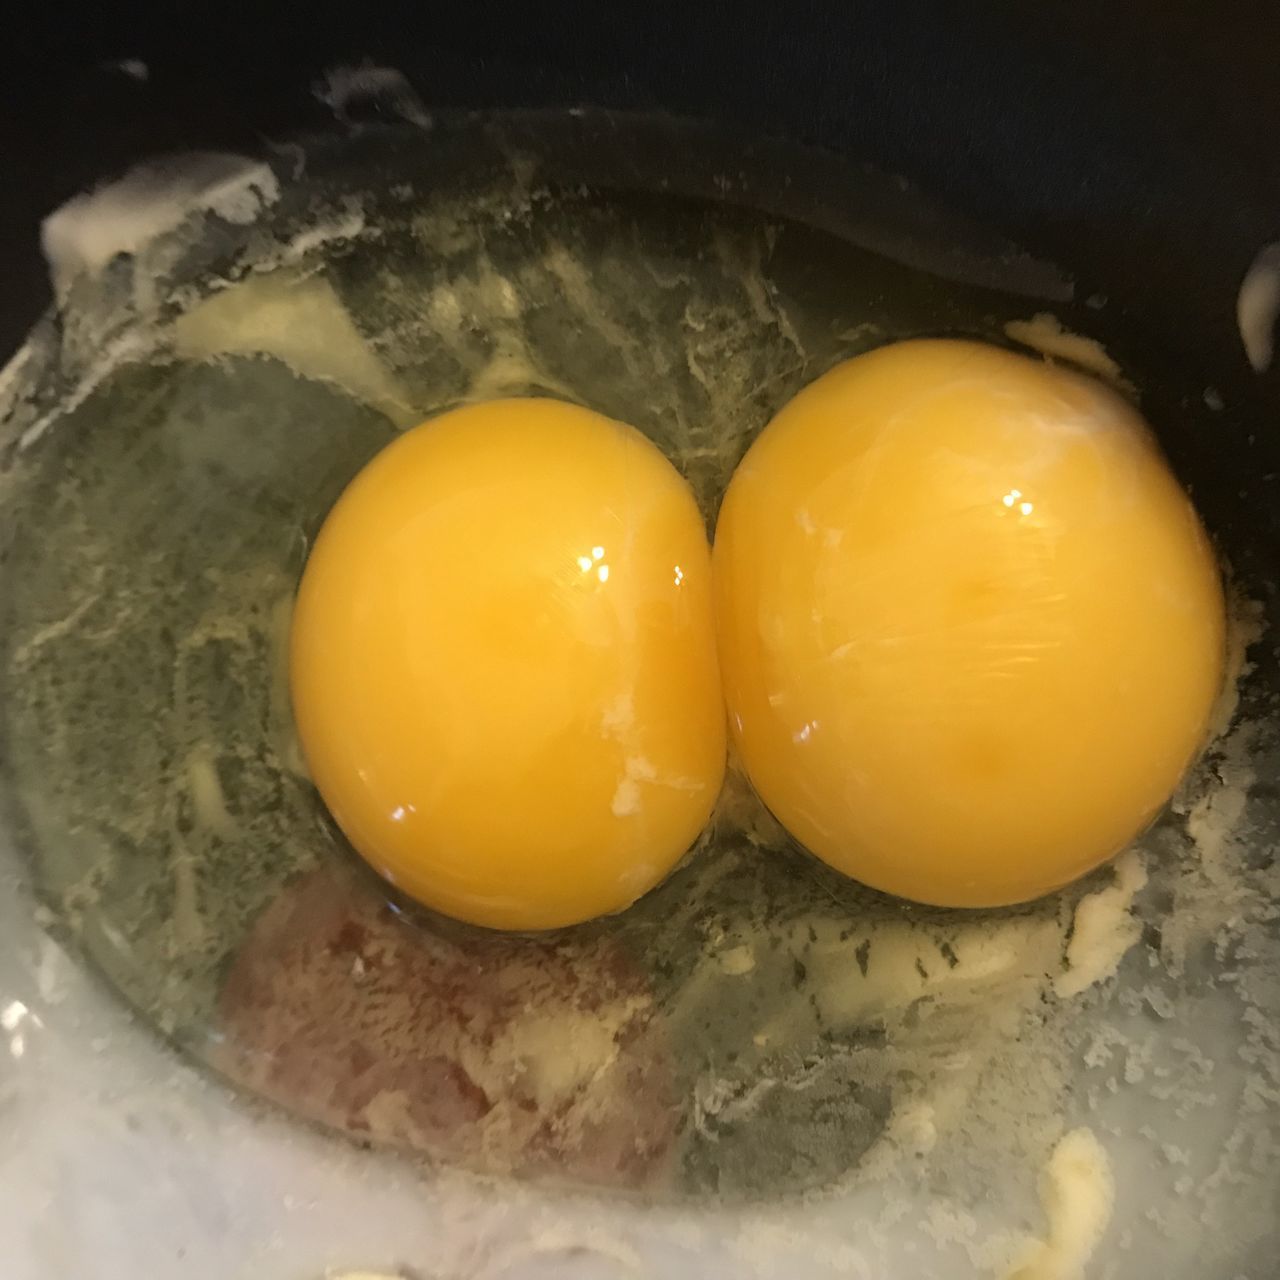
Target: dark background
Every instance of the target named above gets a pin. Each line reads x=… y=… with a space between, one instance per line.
x=1134 y=142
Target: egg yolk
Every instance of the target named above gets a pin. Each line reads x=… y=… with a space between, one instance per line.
x=971 y=629
x=503 y=665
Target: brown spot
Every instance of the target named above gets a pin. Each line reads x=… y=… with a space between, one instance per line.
x=425 y=1048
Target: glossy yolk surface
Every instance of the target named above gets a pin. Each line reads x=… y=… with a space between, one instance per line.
x=503 y=665
x=971 y=628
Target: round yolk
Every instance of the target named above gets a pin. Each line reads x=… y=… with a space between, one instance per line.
x=971 y=629
x=503 y=665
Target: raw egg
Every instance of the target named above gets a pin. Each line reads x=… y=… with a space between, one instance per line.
x=503 y=665
x=971 y=628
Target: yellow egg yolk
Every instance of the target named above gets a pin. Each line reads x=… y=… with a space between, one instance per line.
x=503 y=665
x=970 y=626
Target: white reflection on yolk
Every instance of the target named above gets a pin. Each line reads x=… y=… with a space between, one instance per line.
x=587 y=563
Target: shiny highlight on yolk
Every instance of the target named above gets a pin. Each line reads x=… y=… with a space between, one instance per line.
x=503 y=665
x=971 y=629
